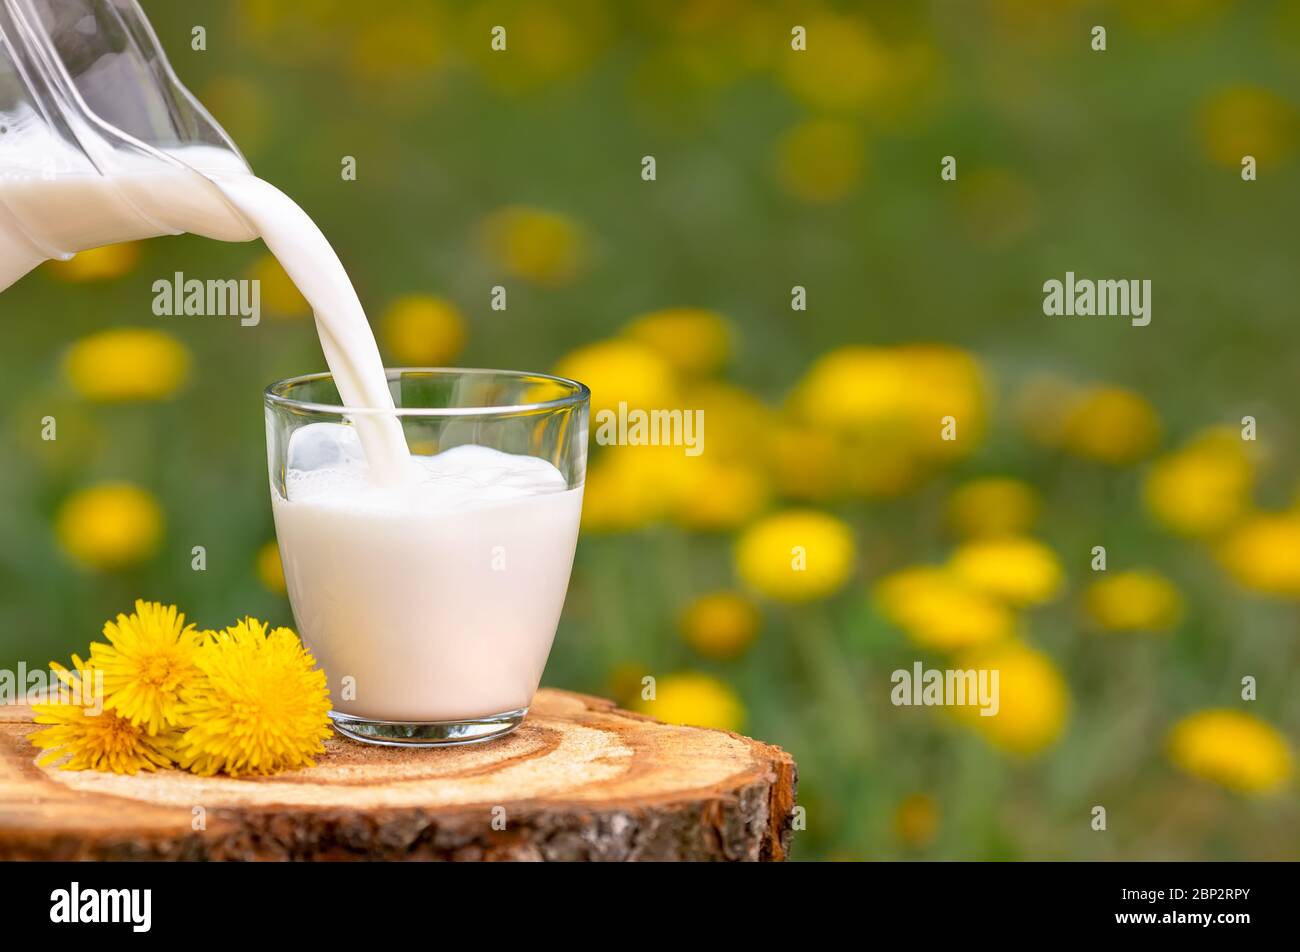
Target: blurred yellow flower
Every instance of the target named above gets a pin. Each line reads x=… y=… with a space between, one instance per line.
x=940 y=611
x=737 y=423
x=806 y=463
x=720 y=625
x=694 y=698
x=621 y=371
x=97 y=264
x=714 y=494
x=1263 y=553
x=1231 y=748
x=127 y=363
x=544 y=247
x=916 y=820
x=1247 y=120
x=110 y=525
x=1200 y=489
x=629 y=487
x=843 y=67
x=902 y=393
x=1033 y=699
x=280 y=297
x=421 y=330
x=1134 y=600
x=797 y=555
x=993 y=506
x=625 y=683
x=693 y=340
x=821 y=160
x=1020 y=570
x=270 y=571
x=1111 y=425
x=397 y=46
x=548 y=42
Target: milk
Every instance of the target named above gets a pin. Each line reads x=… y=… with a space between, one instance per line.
x=436 y=600
x=43 y=181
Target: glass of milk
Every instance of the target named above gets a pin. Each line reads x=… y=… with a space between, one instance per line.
x=431 y=601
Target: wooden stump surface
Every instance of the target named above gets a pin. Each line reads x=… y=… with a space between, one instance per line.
x=579 y=780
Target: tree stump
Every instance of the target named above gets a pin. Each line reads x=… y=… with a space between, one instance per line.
x=579 y=780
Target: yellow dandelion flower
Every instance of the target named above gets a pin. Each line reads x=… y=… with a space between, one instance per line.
x=897 y=396
x=844 y=66
x=80 y=736
x=821 y=160
x=693 y=340
x=147 y=662
x=994 y=506
x=127 y=363
x=280 y=296
x=621 y=371
x=882 y=467
x=1202 y=488
x=697 y=699
x=1134 y=600
x=1263 y=553
x=1033 y=700
x=916 y=820
x=109 y=526
x=625 y=682
x=629 y=487
x=1020 y=570
x=97 y=264
x=260 y=705
x=736 y=422
x=270 y=571
x=1111 y=425
x=714 y=495
x=544 y=247
x=549 y=42
x=720 y=625
x=398 y=47
x=1231 y=748
x=797 y=555
x=940 y=611
x=806 y=463
x=1247 y=120
x=420 y=330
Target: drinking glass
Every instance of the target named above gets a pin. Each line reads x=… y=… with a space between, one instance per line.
x=431 y=606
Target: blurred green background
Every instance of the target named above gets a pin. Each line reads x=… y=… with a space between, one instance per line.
x=775 y=168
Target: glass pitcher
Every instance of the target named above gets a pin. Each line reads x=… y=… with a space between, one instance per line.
x=99 y=141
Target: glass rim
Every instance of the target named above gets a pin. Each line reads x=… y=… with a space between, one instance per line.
x=274 y=395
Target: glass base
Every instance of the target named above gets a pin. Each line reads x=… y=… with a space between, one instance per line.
x=427 y=733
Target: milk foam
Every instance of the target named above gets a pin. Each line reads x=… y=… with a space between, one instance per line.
x=461 y=478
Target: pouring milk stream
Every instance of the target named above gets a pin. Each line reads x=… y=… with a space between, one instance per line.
x=72 y=179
